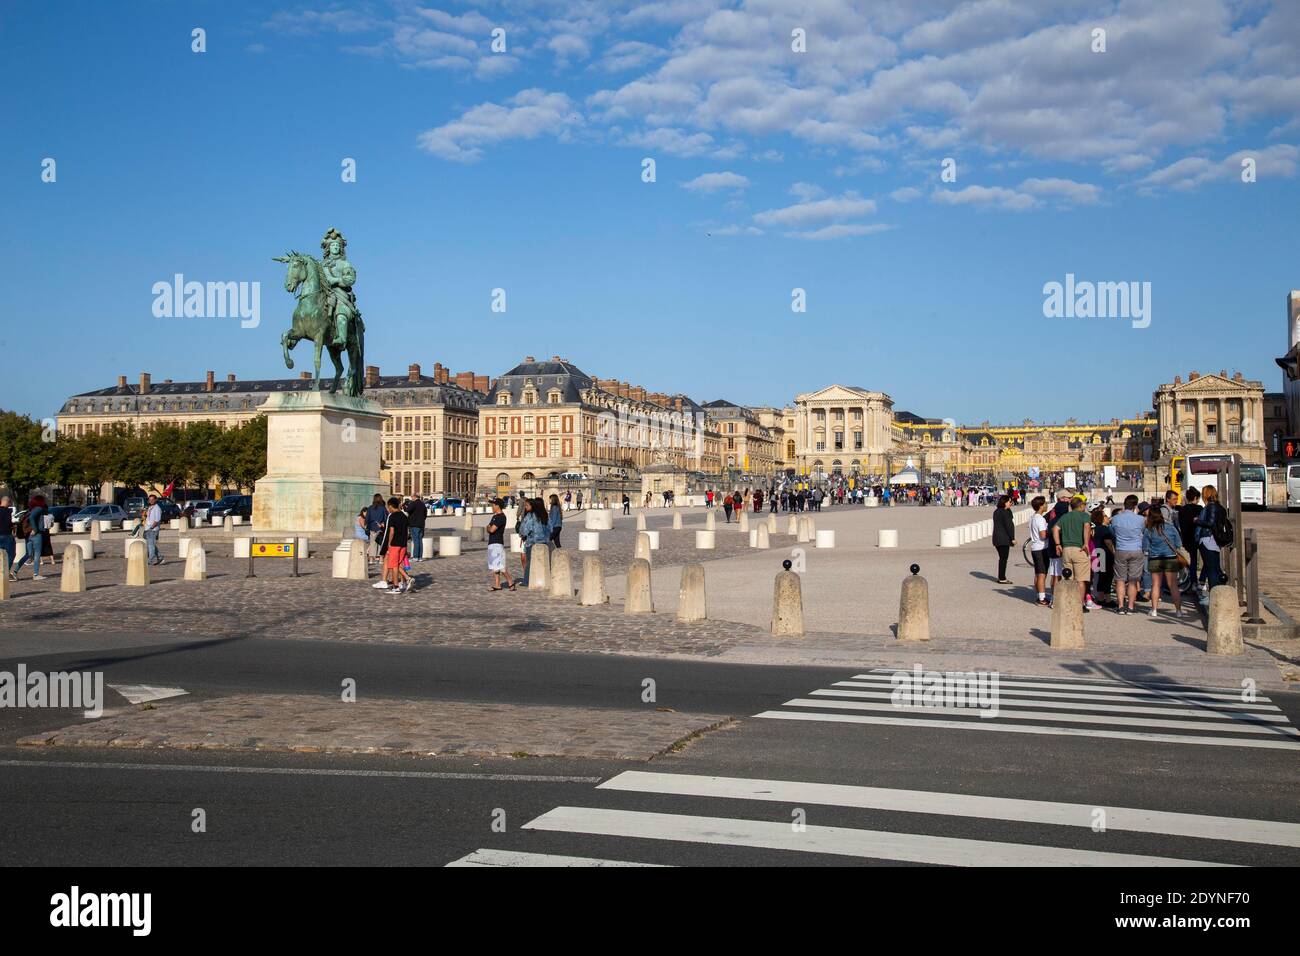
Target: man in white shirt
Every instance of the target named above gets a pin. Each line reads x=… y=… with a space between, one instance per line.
x=152 y=525
x=1038 y=548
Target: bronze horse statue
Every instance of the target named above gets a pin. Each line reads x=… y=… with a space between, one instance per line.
x=313 y=319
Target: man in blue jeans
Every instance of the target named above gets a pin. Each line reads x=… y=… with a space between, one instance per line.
x=152 y=525
x=7 y=534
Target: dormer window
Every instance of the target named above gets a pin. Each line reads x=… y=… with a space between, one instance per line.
x=503 y=398
x=555 y=396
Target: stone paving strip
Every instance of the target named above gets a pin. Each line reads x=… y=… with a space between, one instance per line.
x=307 y=724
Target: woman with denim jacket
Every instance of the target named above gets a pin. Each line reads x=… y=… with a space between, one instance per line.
x=1160 y=543
x=533 y=530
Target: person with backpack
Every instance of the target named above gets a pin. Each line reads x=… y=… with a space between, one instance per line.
x=1188 y=512
x=1213 y=534
x=30 y=529
x=7 y=536
x=728 y=503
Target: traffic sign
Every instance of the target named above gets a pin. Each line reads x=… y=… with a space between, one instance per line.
x=283 y=549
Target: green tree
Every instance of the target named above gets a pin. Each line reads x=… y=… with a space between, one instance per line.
x=25 y=460
x=247 y=452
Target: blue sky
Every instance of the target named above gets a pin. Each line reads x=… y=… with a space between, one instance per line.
x=522 y=170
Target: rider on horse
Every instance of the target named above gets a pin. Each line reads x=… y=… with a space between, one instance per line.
x=339 y=276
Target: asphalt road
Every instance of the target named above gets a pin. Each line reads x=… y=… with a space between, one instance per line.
x=899 y=793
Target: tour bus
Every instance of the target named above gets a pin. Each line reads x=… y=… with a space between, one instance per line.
x=1199 y=470
x=1293 y=487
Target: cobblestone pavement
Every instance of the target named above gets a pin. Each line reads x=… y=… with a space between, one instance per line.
x=287 y=722
x=454 y=607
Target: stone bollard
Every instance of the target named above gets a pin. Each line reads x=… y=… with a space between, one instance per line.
x=887 y=538
x=753 y=537
x=357 y=567
x=561 y=575
x=468 y=523
x=639 y=599
x=691 y=602
x=593 y=581
x=1223 y=635
x=787 y=604
x=94 y=531
x=914 y=608
x=763 y=541
x=804 y=533
x=640 y=522
x=793 y=526
x=72 y=579
x=478 y=533
x=230 y=524
x=948 y=538
x=539 y=568
x=771 y=523
x=4 y=575
x=744 y=522
x=588 y=540
x=706 y=540
x=711 y=521
x=600 y=519
x=643 y=548
x=196 y=562
x=677 y=521
x=449 y=546
x=1067 y=615
x=137 y=563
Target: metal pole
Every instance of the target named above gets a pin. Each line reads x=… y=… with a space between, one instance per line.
x=1252 y=578
x=295 y=557
x=251 y=542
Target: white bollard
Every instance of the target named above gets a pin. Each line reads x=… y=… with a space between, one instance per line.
x=600 y=519
x=516 y=544
x=705 y=540
x=654 y=539
x=241 y=547
x=753 y=537
x=588 y=540
x=826 y=538
x=677 y=521
x=87 y=548
x=449 y=546
x=886 y=538
x=948 y=538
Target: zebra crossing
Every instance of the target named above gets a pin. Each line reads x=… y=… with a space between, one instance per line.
x=747 y=819
x=1113 y=709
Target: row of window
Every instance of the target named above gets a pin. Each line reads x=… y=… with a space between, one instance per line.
x=527 y=424
x=427 y=451
x=421 y=483
x=528 y=448
x=456 y=424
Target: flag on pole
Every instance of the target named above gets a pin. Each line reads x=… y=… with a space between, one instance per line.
x=167 y=492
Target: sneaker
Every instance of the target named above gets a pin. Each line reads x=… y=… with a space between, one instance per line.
x=393 y=591
x=38 y=577
x=380 y=584
x=1044 y=603
x=1154 y=613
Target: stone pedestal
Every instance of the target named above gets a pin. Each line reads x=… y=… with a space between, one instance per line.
x=322 y=463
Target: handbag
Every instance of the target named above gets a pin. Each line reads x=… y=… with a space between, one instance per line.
x=1180 y=554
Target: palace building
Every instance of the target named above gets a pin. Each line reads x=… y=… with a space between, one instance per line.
x=547 y=419
x=430 y=441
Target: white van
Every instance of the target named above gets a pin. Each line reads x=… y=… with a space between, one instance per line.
x=1293 y=487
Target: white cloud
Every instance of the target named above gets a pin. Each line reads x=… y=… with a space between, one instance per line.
x=906 y=194
x=568 y=46
x=841 y=230
x=989 y=197
x=1067 y=190
x=674 y=142
x=812 y=211
x=628 y=55
x=1278 y=161
x=526 y=115
x=735 y=231
x=712 y=182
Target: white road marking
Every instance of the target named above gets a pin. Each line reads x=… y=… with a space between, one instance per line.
x=1278 y=718
x=143 y=693
x=837 y=841
x=1234 y=829
x=1031 y=729
x=1013 y=682
x=974 y=713
x=295 y=771
x=509 y=858
x=1221 y=700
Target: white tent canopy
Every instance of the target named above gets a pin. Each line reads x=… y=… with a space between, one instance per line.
x=907 y=476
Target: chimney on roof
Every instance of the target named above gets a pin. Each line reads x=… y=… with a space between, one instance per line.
x=556 y=358
x=211 y=382
x=303 y=376
x=167 y=381
x=144 y=383
x=465 y=380
x=1193 y=376
x=529 y=358
x=230 y=377
x=372 y=376
x=1238 y=377
x=413 y=373
x=439 y=374
x=494 y=383
x=1178 y=380
x=121 y=381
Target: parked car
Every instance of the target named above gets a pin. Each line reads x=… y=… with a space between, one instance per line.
x=62 y=514
x=197 y=509
x=170 y=509
x=239 y=506
x=444 y=502
x=112 y=513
